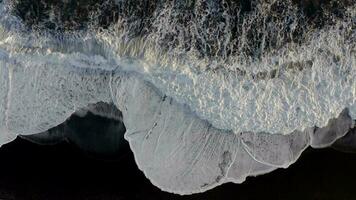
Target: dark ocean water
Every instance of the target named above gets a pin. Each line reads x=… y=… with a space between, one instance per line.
x=29 y=171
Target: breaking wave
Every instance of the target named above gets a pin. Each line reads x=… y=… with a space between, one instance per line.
x=220 y=90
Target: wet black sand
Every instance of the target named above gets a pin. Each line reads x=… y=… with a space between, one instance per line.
x=29 y=171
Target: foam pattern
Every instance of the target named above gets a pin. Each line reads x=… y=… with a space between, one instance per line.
x=168 y=139
x=194 y=119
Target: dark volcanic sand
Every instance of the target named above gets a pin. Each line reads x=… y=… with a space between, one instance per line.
x=29 y=171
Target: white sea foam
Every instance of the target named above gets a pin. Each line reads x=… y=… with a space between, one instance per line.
x=45 y=78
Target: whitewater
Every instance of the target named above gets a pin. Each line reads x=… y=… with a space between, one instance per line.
x=201 y=106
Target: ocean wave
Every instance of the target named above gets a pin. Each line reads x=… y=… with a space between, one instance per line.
x=197 y=85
